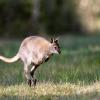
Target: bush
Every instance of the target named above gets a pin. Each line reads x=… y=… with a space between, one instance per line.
x=15 y=17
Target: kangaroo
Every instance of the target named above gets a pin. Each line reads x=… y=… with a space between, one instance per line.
x=34 y=51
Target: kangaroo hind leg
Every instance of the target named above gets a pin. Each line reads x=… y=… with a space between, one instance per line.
x=27 y=74
x=34 y=80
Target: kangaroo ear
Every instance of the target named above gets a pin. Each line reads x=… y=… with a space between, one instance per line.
x=56 y=40
x=51 y=40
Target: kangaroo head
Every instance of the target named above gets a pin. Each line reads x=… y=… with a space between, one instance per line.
x=54 y=46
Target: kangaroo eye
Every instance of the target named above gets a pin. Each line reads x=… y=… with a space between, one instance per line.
x=55 y=47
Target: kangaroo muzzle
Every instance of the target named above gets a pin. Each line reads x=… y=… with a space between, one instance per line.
x=59 y=51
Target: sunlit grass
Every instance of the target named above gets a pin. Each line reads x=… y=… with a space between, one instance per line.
x=50 y=90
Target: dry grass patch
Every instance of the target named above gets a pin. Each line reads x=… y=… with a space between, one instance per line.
x=43 y=89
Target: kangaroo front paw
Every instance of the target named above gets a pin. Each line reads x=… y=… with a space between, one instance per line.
x=34 y=81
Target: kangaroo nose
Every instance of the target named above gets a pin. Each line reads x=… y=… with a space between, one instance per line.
x=59 y=52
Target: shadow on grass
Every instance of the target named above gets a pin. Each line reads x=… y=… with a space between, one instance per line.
x=89 y=96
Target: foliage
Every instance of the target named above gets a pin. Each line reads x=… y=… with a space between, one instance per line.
x=56 y=16
x=59 y=16
x=15 y=17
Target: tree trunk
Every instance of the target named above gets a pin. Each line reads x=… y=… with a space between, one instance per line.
x=35 y=16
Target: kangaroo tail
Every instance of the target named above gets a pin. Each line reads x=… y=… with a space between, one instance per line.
x=9 y=60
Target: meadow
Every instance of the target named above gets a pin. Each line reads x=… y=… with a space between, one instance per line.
x=72 y=75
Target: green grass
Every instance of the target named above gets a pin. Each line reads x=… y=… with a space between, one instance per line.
x=76 y=69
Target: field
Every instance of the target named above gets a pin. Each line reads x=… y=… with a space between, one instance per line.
x=72 y=75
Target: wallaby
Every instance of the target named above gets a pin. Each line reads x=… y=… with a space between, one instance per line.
x=34 y=50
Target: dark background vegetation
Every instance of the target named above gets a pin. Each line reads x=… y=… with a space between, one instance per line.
x=78 y=66
x=20 y=18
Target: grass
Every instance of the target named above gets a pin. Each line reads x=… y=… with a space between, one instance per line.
x=75 y=74
x=50 y=90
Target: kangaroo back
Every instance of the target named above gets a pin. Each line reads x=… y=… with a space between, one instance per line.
x=33 y=49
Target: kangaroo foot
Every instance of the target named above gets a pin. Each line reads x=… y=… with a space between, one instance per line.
x=29 y=82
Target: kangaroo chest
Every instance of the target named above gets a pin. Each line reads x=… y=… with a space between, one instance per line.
x=38 y=59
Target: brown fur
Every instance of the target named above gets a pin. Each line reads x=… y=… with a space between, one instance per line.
x=34 y=51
